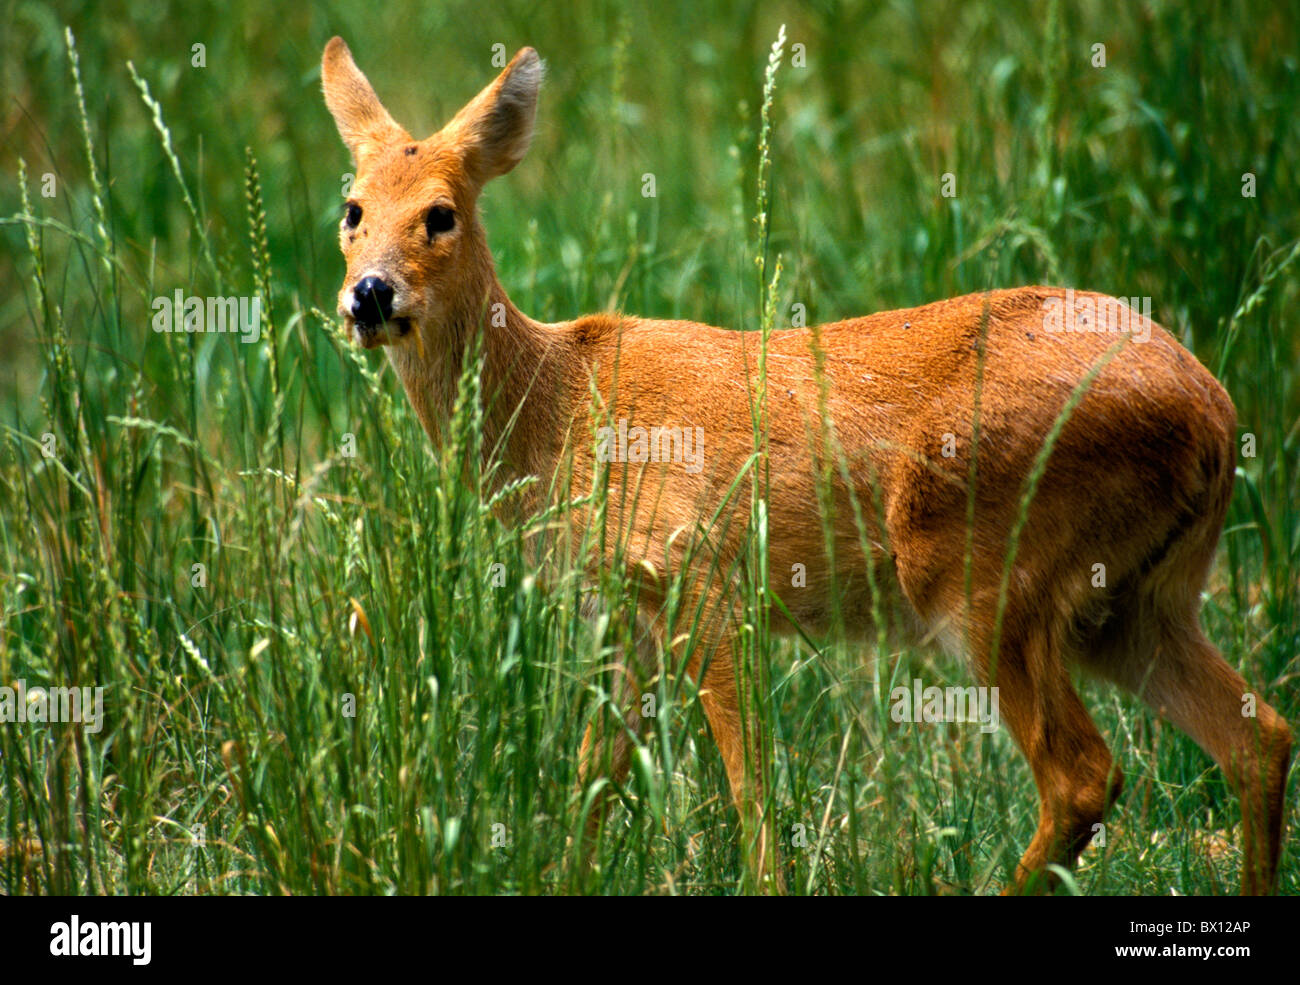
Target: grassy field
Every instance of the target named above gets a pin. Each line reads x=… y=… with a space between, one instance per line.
x=315 y=681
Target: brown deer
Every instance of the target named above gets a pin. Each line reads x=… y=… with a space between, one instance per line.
x=1138 y=480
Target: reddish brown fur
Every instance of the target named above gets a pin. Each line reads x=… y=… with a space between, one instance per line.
x=1139 y=480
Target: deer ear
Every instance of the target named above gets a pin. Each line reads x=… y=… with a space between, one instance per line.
x=494 y=129
x=363 y=123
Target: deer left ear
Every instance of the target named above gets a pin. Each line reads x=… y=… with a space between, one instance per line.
x=363 y=123
x=495 y=128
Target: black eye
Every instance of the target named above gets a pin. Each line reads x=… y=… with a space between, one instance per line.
x=439 y=220
x=353 y=215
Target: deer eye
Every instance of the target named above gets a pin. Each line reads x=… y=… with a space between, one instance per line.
x=439 y=220
x=353 y=215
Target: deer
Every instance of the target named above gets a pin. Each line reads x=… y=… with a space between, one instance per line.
x=1138 y=479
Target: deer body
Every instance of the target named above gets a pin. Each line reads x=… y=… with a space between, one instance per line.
x=1139 y=480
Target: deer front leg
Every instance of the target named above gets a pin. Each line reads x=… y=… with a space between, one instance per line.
x=611 y=736
x=739 y=740
x=608 y=743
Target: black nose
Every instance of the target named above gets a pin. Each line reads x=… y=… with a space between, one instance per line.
x=372 y=301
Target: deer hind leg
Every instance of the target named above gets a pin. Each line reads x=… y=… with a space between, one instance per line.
x=1076 y=777
x=1151 y=644
x=1190 y=684
x=1185 y=679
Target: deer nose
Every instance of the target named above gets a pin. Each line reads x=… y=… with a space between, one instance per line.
x=372 y=300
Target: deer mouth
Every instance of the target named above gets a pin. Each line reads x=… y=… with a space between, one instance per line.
x=371 y=335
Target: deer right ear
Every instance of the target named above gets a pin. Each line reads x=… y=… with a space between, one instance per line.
x=494 y=129
x=363 y=123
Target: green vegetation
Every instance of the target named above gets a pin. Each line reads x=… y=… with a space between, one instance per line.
x=227 y=762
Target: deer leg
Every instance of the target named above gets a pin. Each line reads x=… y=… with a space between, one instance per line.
x=1076 y=777
x=739 y=741
x=609 y=740
x=1153 y=646
x=1189 y=683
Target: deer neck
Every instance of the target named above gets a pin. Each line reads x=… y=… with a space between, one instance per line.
x=522 y=385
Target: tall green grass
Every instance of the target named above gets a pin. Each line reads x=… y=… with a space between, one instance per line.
x=343 y=558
